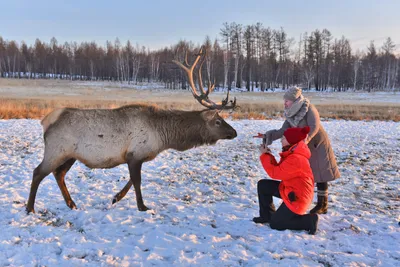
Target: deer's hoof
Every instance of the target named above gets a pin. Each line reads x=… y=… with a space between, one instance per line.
x=143 y=208
x=29 y=210
x=71 y=205
x=116 y=198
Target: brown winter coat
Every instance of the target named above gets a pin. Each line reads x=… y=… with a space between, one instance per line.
x=322 y=161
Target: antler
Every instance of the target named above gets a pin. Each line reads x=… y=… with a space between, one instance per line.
x=202 y=95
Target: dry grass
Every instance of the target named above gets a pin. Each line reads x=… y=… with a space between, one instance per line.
x=38 y=108
x=360 y=112
x=22 y=98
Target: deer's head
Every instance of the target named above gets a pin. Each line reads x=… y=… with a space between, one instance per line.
x=217 y=127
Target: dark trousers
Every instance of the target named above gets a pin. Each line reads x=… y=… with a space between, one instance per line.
x=283 y=218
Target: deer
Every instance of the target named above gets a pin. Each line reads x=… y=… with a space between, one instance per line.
x=131 y=134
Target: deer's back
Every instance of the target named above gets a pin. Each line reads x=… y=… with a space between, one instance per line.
x=101 y=138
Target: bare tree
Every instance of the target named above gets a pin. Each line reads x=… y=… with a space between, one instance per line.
x=248 y=42
x=388 y=49
x=356 y=66
x=237 y=32
x=226 y=33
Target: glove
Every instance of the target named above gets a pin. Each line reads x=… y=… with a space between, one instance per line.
x=292 y=196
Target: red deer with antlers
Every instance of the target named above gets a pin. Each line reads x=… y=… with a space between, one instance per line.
x=133 y=134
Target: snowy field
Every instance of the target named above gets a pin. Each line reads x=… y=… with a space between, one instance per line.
x=202 y=202
x=153 y=92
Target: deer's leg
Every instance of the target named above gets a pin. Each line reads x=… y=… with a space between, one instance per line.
x=59 y=174
x=123 y=192
x=135 y=169
x=39 y=174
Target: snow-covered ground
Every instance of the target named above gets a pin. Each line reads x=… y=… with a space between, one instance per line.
x=155 y=92
x=202 y=204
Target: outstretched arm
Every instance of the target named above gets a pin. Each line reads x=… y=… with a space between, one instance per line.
x=273 y=135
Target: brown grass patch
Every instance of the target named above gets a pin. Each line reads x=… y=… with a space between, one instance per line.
x=23 y=98
x=38 y=108
x=360 y=112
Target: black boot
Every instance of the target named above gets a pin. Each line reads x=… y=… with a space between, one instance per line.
x=260 y=220
x=314 y=224
x=322 y=206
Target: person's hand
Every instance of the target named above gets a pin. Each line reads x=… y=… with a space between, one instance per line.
x=259 y=135
x=264 y=149
x=263 y=136
x=306 y=140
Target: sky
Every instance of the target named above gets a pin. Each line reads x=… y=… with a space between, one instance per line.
x=156 y=23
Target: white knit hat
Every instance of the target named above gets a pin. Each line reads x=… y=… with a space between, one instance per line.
x=292 y=93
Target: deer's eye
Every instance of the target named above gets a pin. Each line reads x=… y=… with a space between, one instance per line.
x=218 y=122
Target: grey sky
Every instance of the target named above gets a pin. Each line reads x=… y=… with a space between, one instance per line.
x=156 y=23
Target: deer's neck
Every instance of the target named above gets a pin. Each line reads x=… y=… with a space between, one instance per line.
x=184 y=130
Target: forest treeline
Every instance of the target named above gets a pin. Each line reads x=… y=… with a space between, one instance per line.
x=243 y=56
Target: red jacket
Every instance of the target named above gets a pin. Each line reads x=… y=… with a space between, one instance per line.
x=295 y=172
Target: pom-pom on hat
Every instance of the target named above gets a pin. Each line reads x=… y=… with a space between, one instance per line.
x=295 y=135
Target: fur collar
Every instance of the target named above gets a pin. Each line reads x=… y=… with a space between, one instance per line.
x=297 y=111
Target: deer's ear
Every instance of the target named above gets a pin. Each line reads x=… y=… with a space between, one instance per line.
x=209 y=114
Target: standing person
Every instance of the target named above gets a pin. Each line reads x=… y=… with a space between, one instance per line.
x=296 y=187
x=299 y=113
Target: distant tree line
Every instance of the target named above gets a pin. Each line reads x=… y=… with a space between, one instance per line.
x=250 y=56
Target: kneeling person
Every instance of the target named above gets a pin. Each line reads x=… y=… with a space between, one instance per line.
x=296 y=187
